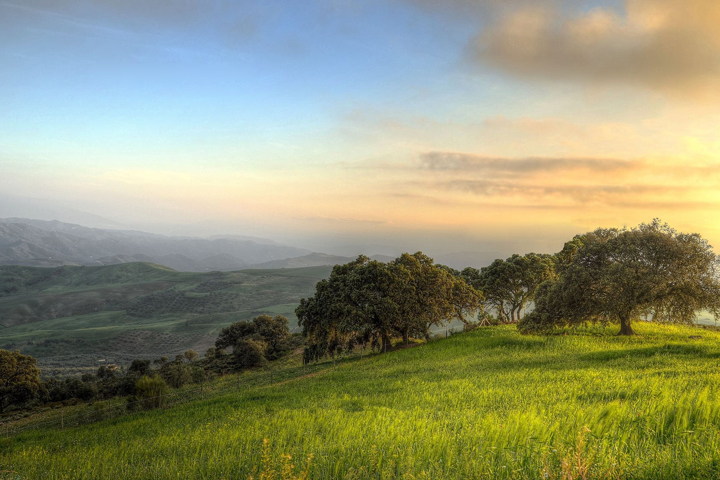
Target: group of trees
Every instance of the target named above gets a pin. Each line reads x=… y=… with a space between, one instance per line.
x=254 y=343
x=111 y=381
x=510 y=285
x=370 y=302
x=606 y=276
x=611 y=275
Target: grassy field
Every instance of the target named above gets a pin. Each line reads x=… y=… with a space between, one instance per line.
x=74 y=319
x=485 y=404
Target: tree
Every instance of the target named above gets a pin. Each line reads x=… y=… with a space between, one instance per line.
x=509 y=285
x=177 y=373
x=616 y=275
x=428 y=295
x=271 y=331
x=230 y=335
x=211 y=353
x=19 y=379
x=249 y=353
x=274 y=332
x=139 y=367
x=366 y=301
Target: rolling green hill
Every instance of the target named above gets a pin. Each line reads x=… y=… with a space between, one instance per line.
x=486 y=404
x=76 y=318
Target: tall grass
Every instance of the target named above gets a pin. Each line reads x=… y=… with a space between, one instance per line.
x=487 y=404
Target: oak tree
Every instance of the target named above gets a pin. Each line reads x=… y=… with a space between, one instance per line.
x=616 y=275
x=19 y=379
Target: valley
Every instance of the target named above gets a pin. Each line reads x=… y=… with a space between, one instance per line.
x=74 y=319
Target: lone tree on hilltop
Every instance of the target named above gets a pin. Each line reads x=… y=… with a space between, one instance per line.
x=19 y=379
x=616 y=275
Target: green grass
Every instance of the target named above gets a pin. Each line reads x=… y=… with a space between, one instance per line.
x=69 y=318
x=486 y=404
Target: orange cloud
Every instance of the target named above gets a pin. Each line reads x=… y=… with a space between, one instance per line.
x=664 y=45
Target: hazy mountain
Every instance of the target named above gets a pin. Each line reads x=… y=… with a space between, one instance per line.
x=315 y=260
x=460 y=260
x=24 y=207
x=262 y=241
x=52 y=243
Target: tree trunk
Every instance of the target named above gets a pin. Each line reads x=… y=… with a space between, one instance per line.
x=406 y=337
x=386 y=343
x=625 y=328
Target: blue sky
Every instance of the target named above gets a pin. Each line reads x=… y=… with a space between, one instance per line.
x=317 y=118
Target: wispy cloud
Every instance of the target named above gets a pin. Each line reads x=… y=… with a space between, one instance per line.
x=457 y=161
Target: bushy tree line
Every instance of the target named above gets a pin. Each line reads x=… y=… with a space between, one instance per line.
x=610 y=275
x=370 y=302
x=111 y=381
x=145 y=382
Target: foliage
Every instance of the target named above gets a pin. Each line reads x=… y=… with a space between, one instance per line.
x=509 y=285
x=19 y=379
x=177 y=373
x=616 y=275
x=274 y=332
x=271 y=332
x=249 y=353
x=139 y=367
x=229 y=336
x=150 y=392
x=370 y=302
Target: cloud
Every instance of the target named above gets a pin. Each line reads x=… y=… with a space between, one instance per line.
x=576 y=192
x=554 y=183
x=464 y=162
x=665 y=45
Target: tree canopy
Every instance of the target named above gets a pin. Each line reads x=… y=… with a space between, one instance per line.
x=509 y=285
x=19 y=378
x=270 y=333
x=366 y=301
x=616 y=275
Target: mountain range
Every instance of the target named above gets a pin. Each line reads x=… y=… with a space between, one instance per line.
x=51 y=243
x=44 y=243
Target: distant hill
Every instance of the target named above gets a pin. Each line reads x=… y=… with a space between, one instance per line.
x=51 y=243
x=315 y=260
x=461 y=260
x=25 y=207
x=69 y=317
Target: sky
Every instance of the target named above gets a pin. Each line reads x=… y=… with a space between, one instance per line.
x=457 y=125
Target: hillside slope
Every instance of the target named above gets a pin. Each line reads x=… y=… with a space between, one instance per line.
x=487 y=404
x=72 y=317
x=315 y=260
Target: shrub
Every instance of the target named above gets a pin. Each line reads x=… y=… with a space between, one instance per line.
x=150 y=392
x=249 y=353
